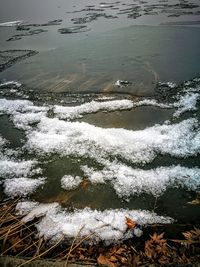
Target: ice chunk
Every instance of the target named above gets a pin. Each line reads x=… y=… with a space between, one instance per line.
x=82 y=139
x=108 y=225
x=69 y=182
x=2 y=141
x=36 y=210
x=186 y=102
x=128 y=181
x=26 y=120
x=10 y=168
x=10 y=84
x=11 y=23
x=91 y=107
x=21 y=186
x=24 y=207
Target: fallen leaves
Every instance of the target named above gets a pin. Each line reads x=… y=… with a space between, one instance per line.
x=130 y=223
x=156 y=247
x=192 y=236
x=19 y=239
x=102 y=260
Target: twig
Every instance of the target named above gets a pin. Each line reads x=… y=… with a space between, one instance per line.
x=71 y=248
x=34 y=258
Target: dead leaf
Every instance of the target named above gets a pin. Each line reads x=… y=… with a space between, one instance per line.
x=157 y=245
x=130 y=223
x=102 y=260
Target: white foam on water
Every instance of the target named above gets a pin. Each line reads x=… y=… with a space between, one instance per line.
x=128 y=181
x=10 y=168
x=82 y=139
x=108 y=225
x=69 y=182
x=11 y=23
x=21 y=186
x=91 y=107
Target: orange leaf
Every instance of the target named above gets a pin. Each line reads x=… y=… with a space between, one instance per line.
x=130 y=223
x=102 y=260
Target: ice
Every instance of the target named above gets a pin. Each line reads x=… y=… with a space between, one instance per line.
x=13 y=106
x=11 y=23
x=183 y=103
x=2 y=141
x=21 y=186
x=10 y=168
x=23 y=112
x=128 y=181
x=91 y=107
x=82 y=139
x=186 y=102
x=152 y=102
x=25 y=207
x=69 y=182
x=35 y=210
x=10 y=83
x=108 y=225
x=26 y=120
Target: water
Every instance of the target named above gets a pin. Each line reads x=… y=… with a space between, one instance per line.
x=128 y=155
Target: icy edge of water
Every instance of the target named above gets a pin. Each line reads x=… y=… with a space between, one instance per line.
x=108 y=225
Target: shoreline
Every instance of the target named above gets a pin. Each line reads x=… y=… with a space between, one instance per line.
x=159 y=245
